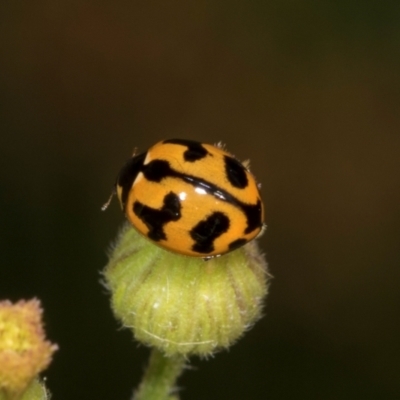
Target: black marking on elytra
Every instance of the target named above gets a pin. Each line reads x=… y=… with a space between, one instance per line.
x=155 y=219
x=253 y=215
x=207 y=230
x=235 y=173
x=237 y=243
x=157 y=170
x=128 y=174
x=195 y=150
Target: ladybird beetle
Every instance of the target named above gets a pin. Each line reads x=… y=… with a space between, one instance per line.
x=191 y=198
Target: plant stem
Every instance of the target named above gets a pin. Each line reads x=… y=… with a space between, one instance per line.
x=160 y=377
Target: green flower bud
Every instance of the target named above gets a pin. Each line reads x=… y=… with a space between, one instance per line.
x=185 y=305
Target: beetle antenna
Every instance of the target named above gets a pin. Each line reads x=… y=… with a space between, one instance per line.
x=107 y=203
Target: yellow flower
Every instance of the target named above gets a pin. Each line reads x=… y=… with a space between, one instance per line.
x=24 y=352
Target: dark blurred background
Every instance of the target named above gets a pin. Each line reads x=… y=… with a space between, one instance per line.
x=308 y=90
